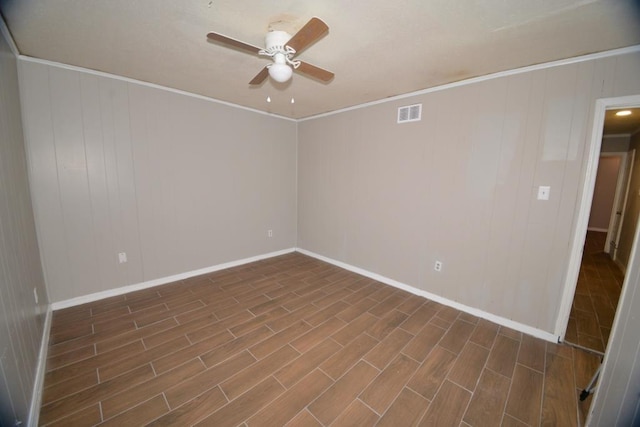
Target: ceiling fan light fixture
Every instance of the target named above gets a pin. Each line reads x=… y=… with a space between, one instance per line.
x=280 y=72
x=283 y=48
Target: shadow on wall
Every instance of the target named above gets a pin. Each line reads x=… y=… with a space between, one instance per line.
x=5 y=414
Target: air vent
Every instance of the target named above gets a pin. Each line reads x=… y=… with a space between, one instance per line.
x=410 y=113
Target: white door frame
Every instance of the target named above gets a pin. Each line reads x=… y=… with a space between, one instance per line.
x=584 y=206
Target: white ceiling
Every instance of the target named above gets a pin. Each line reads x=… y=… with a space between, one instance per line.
x=376 y=48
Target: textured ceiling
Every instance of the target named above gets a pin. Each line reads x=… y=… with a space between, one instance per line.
x=376 y=48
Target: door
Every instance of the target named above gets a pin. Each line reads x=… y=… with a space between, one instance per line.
x=604 y=192
x=620 y=203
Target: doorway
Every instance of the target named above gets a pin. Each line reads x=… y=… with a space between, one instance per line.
x=600 y=279
x=594 y=279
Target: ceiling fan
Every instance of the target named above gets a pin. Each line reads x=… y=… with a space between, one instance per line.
x=283 y=48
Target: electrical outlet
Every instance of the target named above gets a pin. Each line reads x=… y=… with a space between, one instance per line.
x=438 y=266
x=35 y=295
x=270 y=233
x=122 y=257
x=543 y=192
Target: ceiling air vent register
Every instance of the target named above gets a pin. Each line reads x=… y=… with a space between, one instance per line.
x=410 y=113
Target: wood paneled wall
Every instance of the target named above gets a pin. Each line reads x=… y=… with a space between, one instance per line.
x=21 y=318
x=176 y=182
x=460 y=186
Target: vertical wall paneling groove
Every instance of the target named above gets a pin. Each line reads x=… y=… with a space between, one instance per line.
x=22 y=320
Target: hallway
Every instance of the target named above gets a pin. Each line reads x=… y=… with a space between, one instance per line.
x=596 y=297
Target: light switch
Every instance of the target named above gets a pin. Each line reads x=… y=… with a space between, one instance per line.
x=543 y=192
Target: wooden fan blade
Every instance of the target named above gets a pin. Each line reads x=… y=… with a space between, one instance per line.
x=228 y=41
x=312 y=31
x=260 y=77
x=315 y=72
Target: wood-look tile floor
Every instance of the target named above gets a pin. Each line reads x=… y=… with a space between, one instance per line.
x=596 y=297
x=295 y=341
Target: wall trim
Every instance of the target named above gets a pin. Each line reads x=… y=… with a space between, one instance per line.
x=536 y=67
x=41 y=369
x=521 y=327
x=147 y=84
x=162 y=280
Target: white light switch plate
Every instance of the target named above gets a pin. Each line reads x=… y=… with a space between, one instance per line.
x=543 y=192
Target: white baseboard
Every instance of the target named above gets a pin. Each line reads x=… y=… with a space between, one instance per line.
x=529 y=330
x=38 y=384
x=162 y=281
x=526 y=329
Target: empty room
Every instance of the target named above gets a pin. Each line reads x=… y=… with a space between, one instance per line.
x=223 y=213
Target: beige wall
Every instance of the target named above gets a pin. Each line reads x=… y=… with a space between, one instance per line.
x=460 y=186
x=632 y=209
x=177 y=182
x=615 y=144
x=21 y=319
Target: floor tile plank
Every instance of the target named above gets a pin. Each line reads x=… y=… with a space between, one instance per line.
x=487 y=404
x=342 y=360
x=357 y=414
x=183 y=392
x=141 y=414
x=559 y=405
x=406 y=410
x=388 y=348
x=447 y=407
x=194 y=410
x=255 y=373
x=287 y=405
x=432 y=373
x=468 y=366
x=245 y=406
x=299 y=368
x=145 y=390
x=384 y=389
x=504 y=353
x=526 y=395
x=335 y=399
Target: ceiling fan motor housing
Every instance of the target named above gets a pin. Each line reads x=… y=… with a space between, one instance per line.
x=275 y=41
x=276 y=48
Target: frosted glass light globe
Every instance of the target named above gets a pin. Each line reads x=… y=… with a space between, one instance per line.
x=280 y=72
